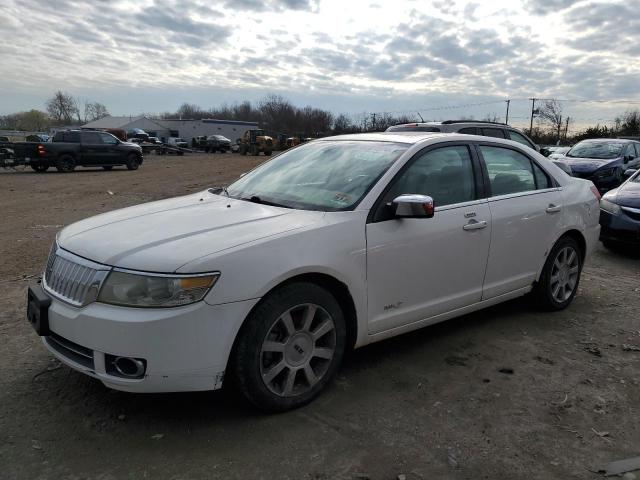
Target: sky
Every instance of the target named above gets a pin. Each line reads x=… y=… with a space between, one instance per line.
x=441 y=58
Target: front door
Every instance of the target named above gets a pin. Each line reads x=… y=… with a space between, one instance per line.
x=421 y=267
x=526 y=211
x=92 y=148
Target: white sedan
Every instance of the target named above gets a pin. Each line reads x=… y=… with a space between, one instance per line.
x=332 y=245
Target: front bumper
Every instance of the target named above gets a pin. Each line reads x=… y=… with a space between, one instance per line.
x=185 y=348
x=619 y=228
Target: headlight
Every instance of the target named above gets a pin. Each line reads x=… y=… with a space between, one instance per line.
x=140 y=290
x=609 y=172
x=608 y=206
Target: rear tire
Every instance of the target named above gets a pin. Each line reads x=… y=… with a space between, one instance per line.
x=268 y=153
x=289 y=347
x=107 y=167
x=133 y=161
x=255 y=151
x=66 y=164
x=560 y=276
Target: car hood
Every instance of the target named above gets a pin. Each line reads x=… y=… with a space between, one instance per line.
x=626 y=195
x=580 y=165
x=165 y=235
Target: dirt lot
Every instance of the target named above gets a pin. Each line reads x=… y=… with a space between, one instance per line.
x=431 y=404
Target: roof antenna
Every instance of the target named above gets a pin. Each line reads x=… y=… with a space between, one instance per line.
x=421 y=119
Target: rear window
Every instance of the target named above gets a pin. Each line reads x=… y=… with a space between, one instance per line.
x=493 y=132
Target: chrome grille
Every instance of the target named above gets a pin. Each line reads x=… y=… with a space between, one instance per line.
x=72 y=278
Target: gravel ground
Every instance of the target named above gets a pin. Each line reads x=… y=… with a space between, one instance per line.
x=504 y=393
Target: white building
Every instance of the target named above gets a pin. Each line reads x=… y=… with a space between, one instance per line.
x=186 y=129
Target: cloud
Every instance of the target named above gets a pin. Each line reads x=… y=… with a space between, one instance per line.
x=548 y=7
x=333 y=48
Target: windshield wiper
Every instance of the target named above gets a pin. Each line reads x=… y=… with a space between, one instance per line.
x=261 y=201
x=218 y=190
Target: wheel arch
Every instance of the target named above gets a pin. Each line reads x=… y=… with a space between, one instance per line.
x=576 y=235
x=579 y=238
x=337 y=288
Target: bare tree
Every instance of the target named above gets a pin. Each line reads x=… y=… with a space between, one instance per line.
x=62 y=108
x=94 y=111
x=550 y=113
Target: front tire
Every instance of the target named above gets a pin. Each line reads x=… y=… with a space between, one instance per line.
x=560 y=276
x=107 y=167
x=133 y=162
x=289 y=348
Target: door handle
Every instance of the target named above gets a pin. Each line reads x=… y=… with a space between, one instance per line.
x=553 y=208
x=475 y=225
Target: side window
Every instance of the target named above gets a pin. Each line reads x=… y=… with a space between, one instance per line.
x=631 y=150
x=445 y=174
x=542 y=179
x=637 y=145
x=493 y=132
x=509 y=171
x=469 y=130
x=72 y=137
x=91 y=138
x=108 y=139
x=516 y=137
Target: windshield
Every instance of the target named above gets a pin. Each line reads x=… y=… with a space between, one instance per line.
x=596 y=150
x=325 y=175
x=220 y=137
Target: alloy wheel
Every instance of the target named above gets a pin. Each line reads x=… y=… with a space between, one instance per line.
x=297 y=350
x=564 y=274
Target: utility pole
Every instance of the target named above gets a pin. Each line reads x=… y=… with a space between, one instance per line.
x=507 y=120
x=566 y=128
x=533 y=107
x=373 y=120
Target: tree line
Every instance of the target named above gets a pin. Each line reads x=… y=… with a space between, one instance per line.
x=62 y=109
x=277 y=114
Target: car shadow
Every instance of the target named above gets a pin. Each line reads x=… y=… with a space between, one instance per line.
x=226 y=405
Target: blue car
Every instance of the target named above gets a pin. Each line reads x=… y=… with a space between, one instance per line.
x=620 y=213
x=603 y=160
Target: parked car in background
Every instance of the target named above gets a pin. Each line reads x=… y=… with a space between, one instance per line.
x=469 y=127
x=603 y=160
x=558 y=152
x=334 y=244
x=620 y=213
x=155 y=140
x=177 y=142
x=218 y=143
x=73 y=148
x=137 y=133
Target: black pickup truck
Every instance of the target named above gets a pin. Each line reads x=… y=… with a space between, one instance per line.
x=73 y=148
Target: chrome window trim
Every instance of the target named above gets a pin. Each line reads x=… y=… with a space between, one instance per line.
x=523 y=194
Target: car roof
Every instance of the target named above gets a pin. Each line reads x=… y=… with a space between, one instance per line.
x=417 y=137
x=397 y=137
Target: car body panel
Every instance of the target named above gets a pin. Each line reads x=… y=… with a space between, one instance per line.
x=257 y=247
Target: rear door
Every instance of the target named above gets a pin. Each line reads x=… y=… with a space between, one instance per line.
x=526 y=211
x=418 y=268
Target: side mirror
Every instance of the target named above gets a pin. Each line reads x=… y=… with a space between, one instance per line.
x=413 y=206
x=629 y=172
x=627 y=158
